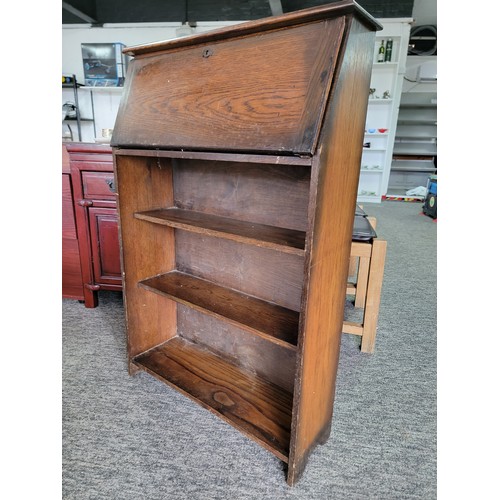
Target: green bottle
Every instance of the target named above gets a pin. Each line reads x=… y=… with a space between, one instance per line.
x=381 y=53
x=388 y=50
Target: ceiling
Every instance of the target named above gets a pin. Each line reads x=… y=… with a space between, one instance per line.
x=99 y=12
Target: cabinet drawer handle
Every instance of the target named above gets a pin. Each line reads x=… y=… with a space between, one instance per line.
x=85 y=203
x=111 y=184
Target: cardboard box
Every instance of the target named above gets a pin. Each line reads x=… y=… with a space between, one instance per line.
x=104 y=65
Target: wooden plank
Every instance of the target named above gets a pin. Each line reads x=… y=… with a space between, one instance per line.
x=274 y=195
x=219 y=156
x=359 y=249
x=362 y=282
x=72 y=283
x=229 y=96
x=372 y=221
x=261 y=235
x=254 y=406
x=272 y=276
x=275 y=323
x=68 y=213
x=143 y=183
x=246 y=350
x=372 y=304
x=334 y=181
x=353 y=328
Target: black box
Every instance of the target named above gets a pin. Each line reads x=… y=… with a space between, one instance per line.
x=430 y=202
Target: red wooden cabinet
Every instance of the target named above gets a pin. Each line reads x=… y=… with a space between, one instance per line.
x=105 y=247
x=94 y=199
x=72 y=282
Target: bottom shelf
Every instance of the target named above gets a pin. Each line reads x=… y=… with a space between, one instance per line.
x=256 y=407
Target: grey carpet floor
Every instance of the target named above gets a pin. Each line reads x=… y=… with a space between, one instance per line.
x=135 y=438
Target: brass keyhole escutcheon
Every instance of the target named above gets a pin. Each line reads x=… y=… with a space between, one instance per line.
x=207 y=52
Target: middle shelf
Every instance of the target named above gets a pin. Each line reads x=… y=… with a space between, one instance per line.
x=286 y=240
x=265 y=319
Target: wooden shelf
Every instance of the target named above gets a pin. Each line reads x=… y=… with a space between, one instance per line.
x=270 y=321
x=258 y=408
x=219 y=156
x=261 y=235
x=236 y=206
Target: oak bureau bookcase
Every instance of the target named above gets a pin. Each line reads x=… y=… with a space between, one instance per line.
x=236 y=156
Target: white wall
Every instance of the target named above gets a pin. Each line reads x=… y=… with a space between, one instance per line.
x=425 y=12
x=132 y=34
x=412 y=65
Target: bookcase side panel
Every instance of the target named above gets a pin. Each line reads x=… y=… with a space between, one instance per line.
x=146 y=249
x=333 y=201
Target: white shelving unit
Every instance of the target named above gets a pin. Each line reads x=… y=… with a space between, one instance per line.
x=98 y=107
x=104 y=102
x=382 y=115
x=415 y=146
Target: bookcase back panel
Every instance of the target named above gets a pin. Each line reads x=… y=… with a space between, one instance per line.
x=268 y=274
x=251 y=93
x=265 y=194
x=273 y=362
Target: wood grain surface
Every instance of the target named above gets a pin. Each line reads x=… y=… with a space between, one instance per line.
x=274 y=195
x=275 y=323
x=256 y=407
x=232 y=149
x=261 y=93
x=251 y=352
x=334 y=181
x=262 y=272
x=146 y=249
x=218 y=156
x=261 y=235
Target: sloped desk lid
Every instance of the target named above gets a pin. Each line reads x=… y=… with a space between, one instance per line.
x=260 y=86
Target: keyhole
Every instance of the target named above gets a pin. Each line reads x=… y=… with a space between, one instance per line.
x=207 y=52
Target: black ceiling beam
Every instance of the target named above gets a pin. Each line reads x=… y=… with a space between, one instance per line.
x=98 y=12
x=78 y=13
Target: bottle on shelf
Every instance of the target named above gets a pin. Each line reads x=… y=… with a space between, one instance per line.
x=381 y=52
x=388 y=50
